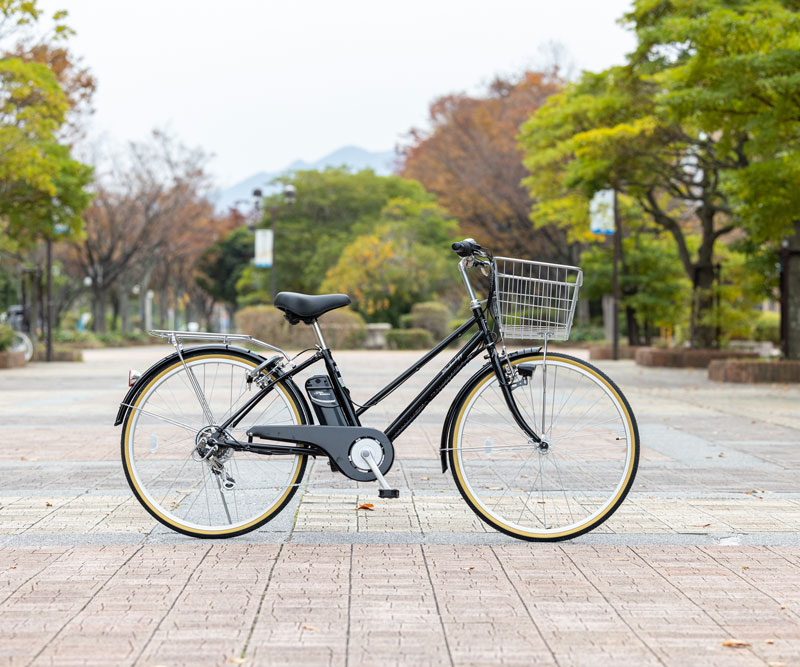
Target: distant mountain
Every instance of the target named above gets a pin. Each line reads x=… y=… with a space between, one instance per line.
x=240 y=195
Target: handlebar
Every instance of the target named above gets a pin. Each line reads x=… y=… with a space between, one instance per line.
x=469 y=248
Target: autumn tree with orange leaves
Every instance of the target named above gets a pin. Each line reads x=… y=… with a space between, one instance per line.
x=471 y=160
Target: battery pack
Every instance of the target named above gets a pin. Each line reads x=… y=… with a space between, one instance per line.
x=326 y=406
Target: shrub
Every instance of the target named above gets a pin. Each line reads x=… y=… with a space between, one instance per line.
x=342 y=328
x=263 y=322
x=431 y=316
x=768 y=327
x=6 y=337
x=72 y=336
x=409 y=339
x=405 y=321
x=587 y=333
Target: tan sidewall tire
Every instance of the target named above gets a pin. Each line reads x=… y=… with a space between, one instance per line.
x=289 y=393
x=460 y=478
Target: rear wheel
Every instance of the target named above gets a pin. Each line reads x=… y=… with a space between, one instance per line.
x=178 y=478
x=563 y=488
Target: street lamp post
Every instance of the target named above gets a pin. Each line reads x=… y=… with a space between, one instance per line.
x=289 y=196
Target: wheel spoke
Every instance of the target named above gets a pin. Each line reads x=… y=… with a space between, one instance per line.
x=588 y=455
x=172 y=473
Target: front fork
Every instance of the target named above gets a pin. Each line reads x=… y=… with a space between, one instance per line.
x=505 y=375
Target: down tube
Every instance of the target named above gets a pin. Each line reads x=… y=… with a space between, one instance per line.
x=432 y=389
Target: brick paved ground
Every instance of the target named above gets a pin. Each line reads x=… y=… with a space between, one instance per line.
x=706 y=549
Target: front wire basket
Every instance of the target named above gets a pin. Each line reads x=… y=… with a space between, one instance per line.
x=535 y=300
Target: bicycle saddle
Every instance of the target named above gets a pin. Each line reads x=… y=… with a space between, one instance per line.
x=308 y=307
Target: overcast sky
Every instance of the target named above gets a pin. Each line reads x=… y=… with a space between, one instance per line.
x=262 y=83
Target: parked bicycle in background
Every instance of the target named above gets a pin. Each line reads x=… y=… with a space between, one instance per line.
x=14 y=317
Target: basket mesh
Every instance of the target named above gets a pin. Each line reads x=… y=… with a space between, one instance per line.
x=535 y=299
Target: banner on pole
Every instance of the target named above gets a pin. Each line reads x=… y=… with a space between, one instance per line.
x=263 y=249
x=601 y=213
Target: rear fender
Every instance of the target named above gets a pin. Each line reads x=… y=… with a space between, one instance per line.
x=167 y=361
x=451 y=413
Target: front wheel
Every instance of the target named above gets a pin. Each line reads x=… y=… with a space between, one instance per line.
x=571 y=483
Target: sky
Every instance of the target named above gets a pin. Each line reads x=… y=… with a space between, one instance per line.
x=260 y=84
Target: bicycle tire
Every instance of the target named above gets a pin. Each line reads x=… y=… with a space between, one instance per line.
x=464 y=460
x=288 y=393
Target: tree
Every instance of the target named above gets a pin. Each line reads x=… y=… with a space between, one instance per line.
x=612 y=130
x=729 y=70
x=32 y=108
x=146 y=212
x=471 y=161
x=331 y=206
x=654 y=289
x=221 y=266
x=405 y=258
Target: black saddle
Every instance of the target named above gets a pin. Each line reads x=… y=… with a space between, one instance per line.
x=308 y=307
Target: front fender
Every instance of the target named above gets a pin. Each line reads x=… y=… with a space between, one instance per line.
x=451 y=413
x=167 y=361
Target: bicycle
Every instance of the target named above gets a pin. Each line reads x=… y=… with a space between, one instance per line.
x=20 y=341
x=542 y=446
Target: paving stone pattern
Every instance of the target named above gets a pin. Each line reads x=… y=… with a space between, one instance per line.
x=706 y=550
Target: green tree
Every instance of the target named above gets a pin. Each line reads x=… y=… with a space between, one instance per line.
x=405 y=258
x=650 y=129
x=311 y=234
x=655 y=291
x=221 y=266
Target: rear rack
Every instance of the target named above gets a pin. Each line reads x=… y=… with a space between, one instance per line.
x=175 y=337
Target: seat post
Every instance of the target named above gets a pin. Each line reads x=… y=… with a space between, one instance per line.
x=318 y=333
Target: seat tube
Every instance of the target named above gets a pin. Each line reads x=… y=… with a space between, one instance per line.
x=337 y=384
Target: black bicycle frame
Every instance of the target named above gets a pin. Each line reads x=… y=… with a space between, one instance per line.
x=482 y=340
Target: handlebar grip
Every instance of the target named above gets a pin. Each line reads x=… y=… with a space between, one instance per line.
x=465 y=248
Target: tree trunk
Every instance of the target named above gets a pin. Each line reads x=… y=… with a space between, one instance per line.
x=163 y=304
x=114 y=311
x=704 y=335
x=124 y=307
x=99 y=310
x=633 y=326
x=40 y=290
x=790 y=296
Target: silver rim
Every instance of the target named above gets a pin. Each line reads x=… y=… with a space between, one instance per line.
x=564 y=489
x=170 y=473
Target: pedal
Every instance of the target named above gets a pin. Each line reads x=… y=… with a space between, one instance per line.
x=385 y=491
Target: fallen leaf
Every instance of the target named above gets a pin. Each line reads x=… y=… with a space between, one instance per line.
x=703 y=525
x=13 y=567
x=541 y=502
x=22 y=458
x=237 y=661
x=734 y=643
x=769 y=641
x=467 y=569
x=366 y=506
x=783 y=606
x=425 y=478
x=721 y=455
x=48 y=504
x=745 y=567
x=493 y=488
x=309 y=627
x=708 y=457
x=525 y=476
